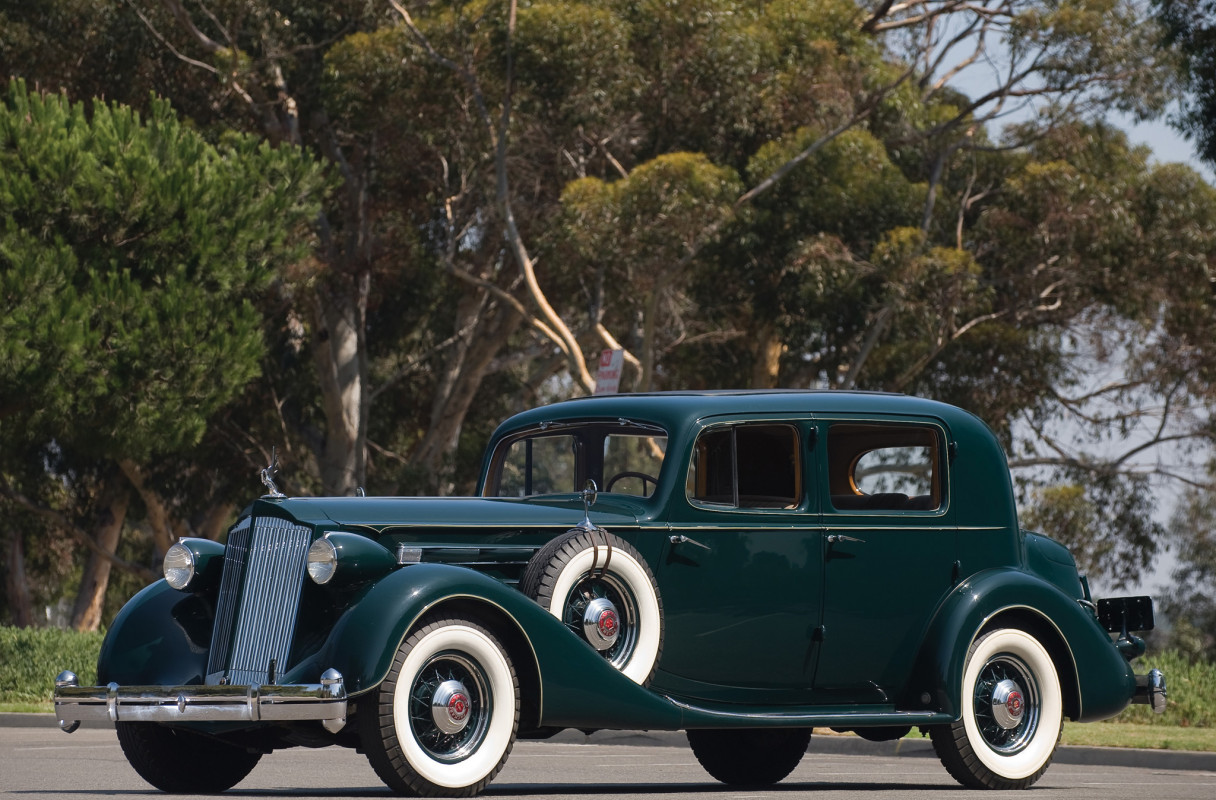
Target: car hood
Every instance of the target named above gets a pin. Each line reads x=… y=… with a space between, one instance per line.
x=383 y=513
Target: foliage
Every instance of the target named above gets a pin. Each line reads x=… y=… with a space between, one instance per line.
x=1191 y=685
x=128 y=255
x=131 y=254
x=1190 y=604
x=737 y=192
x=30 y=658
x=1191 y=27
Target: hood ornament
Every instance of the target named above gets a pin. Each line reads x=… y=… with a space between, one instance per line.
x=268 y=474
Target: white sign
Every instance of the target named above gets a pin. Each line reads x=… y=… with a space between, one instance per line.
x=608 y=377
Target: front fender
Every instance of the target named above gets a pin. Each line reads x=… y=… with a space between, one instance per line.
x=1097 y=682
x=576 y=686
x=159 y=638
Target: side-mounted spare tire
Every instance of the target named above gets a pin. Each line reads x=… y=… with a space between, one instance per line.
x=601 y=588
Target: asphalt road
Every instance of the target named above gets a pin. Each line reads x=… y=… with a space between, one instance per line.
x=37 y=762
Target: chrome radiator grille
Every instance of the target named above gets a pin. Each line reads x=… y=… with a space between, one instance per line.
x=255 y=616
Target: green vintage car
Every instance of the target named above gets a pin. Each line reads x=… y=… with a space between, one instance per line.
x=754 y=564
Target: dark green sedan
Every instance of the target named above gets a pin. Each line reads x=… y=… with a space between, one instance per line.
x=743 y=566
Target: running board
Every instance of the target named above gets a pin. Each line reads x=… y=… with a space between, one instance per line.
x=805 y=717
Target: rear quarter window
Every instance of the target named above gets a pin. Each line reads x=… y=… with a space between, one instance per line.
x=885 y=467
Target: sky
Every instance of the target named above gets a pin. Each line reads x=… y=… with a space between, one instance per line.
x=1167 y=144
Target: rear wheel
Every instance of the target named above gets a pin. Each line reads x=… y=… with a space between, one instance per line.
x=750 y=757
x=444 y=720
x=183 y=762
x=1012 y=714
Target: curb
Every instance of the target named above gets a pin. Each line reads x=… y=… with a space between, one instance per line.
x=922 y=748
x=830 y=745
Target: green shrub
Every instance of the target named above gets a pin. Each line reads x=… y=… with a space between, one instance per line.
x=1192 y=692
x=30 y=658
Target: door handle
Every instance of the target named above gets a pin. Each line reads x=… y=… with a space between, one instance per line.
x=833 y=538
x=679 y=538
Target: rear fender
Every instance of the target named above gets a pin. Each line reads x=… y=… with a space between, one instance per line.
x=573 y=685
x=1011 y=598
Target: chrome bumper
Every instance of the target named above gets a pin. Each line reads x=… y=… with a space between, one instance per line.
x=1150 y=689
x=324 y=701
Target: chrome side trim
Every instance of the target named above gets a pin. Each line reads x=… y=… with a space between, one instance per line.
x=325 y=701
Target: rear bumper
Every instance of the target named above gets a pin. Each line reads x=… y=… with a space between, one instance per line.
x=324 y=702
x=1150 y=690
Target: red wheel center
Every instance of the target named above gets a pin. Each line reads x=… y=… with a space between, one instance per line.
x=1014 y=704
x=458 y=707
x=607 y=624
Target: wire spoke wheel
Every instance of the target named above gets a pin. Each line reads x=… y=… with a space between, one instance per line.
x=1011 y=717
x=442 y=671
x=443 y=721
x=999 y=674
x=609 y=587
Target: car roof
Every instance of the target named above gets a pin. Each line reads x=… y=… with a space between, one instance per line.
x=674 y=410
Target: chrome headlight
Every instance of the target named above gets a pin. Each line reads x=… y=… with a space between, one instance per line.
x=322 y=560
x=179 y=566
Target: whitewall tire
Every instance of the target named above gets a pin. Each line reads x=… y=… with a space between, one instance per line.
x=444 y=720
x=581 y=567
x=1012 y=714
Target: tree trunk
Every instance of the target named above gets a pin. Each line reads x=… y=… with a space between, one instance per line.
x=86 y=614
x=766 y=357
x=20 y=607
x=341 y=362
x=467 y=369
x=165 y=530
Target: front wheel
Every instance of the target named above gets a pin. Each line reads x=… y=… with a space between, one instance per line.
x=183 y=762
x=750 y=756
x=444 y=720
x=1012 y=714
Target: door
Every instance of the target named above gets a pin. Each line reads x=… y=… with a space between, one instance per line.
x=740 y=575
x=888 y=552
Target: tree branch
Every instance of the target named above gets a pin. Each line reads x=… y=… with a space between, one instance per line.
x=61 y=521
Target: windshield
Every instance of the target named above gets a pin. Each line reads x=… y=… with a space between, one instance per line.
x=620 y=456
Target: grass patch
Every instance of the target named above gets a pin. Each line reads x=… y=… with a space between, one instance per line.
x=27 y=708
x=1192 y=693
x=30 y=658
x=1134 y=734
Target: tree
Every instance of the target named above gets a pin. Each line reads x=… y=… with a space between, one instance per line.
x=129 y=254
x=1190 y=29
x=879 y=235
x=1190 y=604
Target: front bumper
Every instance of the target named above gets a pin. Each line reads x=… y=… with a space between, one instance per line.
x=1150 y=690
x=324 y=702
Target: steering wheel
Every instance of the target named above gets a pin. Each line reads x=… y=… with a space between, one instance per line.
x=642 y=476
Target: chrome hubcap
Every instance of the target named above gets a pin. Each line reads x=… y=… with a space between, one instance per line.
x=1007 y=704
x=450 y=707
x=601 y=623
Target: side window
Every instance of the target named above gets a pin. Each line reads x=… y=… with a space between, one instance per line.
x=884 y=467
x=539 y=465
x=632 y=463
x=746 y=466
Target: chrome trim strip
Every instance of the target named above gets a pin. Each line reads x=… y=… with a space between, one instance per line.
x=896 y=717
